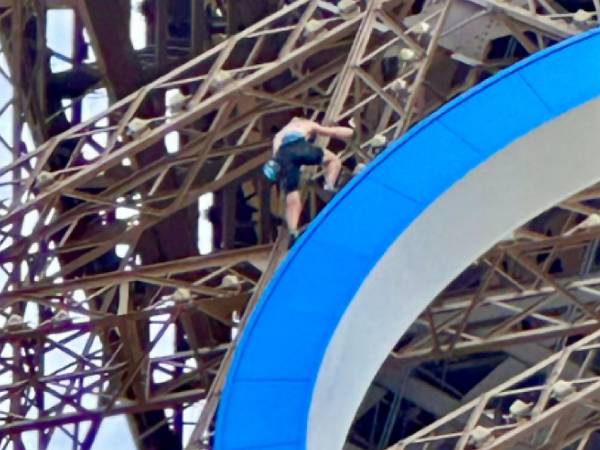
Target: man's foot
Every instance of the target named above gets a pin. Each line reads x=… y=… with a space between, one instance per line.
x=293 y=237
x=329 y=188
x=358 y=169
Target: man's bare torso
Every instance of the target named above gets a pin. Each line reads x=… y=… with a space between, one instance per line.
x=296 y=125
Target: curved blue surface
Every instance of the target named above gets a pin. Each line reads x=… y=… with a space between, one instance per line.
x=267 y=397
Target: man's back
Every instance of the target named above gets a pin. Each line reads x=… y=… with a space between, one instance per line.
x=297 y=125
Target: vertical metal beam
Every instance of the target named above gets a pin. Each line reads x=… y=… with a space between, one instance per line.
x=200 y=34
x=108 y=27
x=202 y=428
x=161 y=31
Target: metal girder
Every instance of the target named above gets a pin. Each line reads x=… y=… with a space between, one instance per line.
x=552 y=22
x=108 y=28
x=517 y=299
x=521 y=310
x=95 y=416
x=202 y=429
x=535 y=288
x=373 y=65
x=101 y=381
x=558 y=411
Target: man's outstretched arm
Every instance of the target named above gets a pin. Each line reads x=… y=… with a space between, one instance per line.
x=335 y=131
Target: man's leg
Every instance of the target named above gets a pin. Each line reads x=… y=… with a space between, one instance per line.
x=293 y=208
x=333 y=165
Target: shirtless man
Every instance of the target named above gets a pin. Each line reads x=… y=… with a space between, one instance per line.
x=291 y=150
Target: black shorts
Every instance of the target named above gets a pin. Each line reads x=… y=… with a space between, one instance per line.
x=293 y=155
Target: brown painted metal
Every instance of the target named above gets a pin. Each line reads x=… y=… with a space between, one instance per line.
x=283 y=59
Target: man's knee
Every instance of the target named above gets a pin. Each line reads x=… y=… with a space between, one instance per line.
x=328 y=156
x=293 y=198
x=333 y=162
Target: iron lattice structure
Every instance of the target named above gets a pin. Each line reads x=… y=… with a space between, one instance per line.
x=221 y=76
